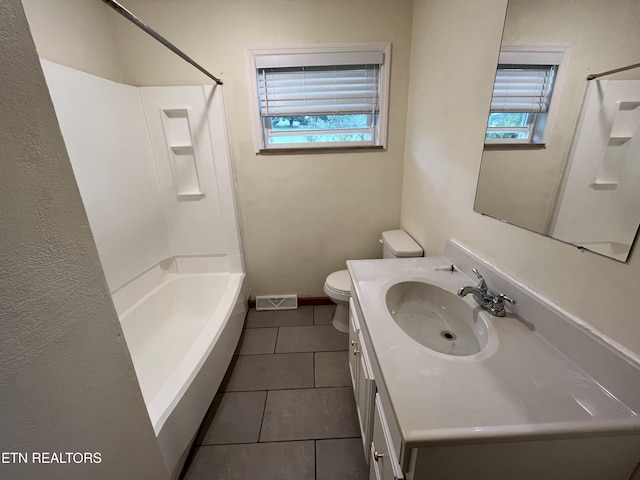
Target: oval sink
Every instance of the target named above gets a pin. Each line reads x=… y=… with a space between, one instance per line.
x=437 y=318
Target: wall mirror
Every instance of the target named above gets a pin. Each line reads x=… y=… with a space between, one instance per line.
x=579 y=180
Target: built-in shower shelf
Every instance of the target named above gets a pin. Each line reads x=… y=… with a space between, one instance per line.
x=191 y=195
x=184 y=166
x=624 y=124
x=182 y=149
x=605 y=185
x=616 y=141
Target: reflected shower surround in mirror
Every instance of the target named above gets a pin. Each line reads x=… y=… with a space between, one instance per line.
x=580 y=187
x=603 y=173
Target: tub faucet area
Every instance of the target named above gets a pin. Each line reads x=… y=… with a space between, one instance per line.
x=493 y=303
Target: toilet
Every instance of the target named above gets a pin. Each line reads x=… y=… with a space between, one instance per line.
x=337 y=286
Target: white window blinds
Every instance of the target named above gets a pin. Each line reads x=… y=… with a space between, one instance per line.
x=321 y=89
x=523 y=88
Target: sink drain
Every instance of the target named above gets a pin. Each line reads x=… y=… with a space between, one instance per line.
x=447 y=335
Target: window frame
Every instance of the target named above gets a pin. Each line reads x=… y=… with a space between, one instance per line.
x=534 y=54
x=379 y=137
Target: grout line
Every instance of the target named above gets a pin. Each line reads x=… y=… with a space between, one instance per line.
x=287 y=388
x=288 y=353
x=288 y=326
x=275 y=389
x=314 y=369
x=281 y=441
x=291 y=353
x=276 y=342
x=287 y=441
x=315 y=459
x=317 y=351
x=264 y=411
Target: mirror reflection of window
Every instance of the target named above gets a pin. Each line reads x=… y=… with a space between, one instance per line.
x=520 y=102
x=580 y=184
x=522 y=95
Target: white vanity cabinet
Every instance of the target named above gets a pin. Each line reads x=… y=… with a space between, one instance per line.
x=528 y=409
x=374 y=427
x=364 y=387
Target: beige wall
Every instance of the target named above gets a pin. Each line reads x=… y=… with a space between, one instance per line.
x=76 y=33
x=441 y=172
x=302 y=216
x=67 y=379
x=521 y=185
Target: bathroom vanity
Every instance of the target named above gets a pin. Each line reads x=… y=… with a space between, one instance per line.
x=531 y=395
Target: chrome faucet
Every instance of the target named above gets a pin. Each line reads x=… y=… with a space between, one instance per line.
x=491 y=302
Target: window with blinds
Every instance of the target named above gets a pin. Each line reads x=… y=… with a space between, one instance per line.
x=522 y=95
x=326 y=97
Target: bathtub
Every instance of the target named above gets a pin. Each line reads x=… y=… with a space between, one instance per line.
x=181 y=337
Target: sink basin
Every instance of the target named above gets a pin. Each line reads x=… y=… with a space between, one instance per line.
x=437 y=318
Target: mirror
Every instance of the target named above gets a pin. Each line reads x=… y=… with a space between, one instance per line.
x=581 y=185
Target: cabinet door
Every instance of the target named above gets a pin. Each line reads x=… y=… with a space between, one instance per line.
x=365 y=394
x=364 y=386
x=354 y=328
x=383 y=464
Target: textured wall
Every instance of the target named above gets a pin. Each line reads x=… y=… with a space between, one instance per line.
x=66 y=379
x=76 y=33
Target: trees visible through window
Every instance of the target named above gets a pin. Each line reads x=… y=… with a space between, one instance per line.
x=320 y=128
x=321 y=96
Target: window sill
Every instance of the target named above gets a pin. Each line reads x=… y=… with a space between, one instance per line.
x=316 y=150
x=515 y=146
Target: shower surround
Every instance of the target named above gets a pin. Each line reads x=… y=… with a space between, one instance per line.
x=154 y=171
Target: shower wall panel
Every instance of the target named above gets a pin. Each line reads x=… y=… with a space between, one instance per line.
x=105 y=132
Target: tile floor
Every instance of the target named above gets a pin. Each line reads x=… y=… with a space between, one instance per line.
x=285 y=409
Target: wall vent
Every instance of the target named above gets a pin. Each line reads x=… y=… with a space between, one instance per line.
x=276 y=302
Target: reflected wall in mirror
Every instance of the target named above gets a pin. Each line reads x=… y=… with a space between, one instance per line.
x=581 y=187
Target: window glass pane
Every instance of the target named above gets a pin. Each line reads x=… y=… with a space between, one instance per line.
x=318 y=122
x=508 y=119
x=315 y=138
x=509 y=125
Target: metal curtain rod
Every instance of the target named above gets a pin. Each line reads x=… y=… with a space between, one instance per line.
x=621 y=69
x=131 y=17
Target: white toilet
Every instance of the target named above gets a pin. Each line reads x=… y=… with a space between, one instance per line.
x=395 y=244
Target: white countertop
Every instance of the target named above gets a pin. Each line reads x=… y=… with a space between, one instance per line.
x=526 y=388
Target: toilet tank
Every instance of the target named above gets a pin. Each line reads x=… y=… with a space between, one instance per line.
x=398 y=244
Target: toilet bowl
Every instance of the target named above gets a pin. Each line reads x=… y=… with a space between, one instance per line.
x=337 y=286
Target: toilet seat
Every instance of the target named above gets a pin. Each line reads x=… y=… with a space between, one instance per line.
x=339 y=282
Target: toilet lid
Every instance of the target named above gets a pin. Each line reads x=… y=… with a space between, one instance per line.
x=339 y=281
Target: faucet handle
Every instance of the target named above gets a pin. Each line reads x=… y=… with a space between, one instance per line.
x=503 y=298
x=482 y=285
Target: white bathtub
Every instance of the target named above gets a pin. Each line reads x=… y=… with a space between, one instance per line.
x=182 y=336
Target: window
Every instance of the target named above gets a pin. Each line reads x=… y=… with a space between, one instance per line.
x=320 y=96
x=523 y=91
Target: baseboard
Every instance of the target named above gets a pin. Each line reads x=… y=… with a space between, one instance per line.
x=302 y=301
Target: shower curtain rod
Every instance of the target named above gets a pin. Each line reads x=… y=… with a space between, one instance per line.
x=132 y=18
x=621 y=69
